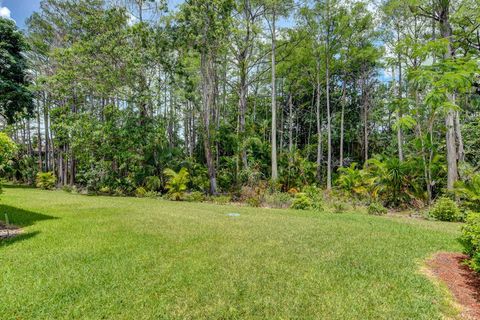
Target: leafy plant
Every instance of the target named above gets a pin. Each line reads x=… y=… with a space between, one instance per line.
x=46 y=180
x=469 y=192
x=470 y=240
x=357 y=182
x=278 y=200
x=302 y=202
x=445 y=209
x=315 y=194
x=140 y=192
x=176 y=183
x=195 y=196
x=376 y=209
x=153 y=183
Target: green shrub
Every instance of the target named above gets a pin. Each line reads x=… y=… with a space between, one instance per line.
x=470 y=239
x=376 y=209
x=221 y=199
x=151 y=194
x=153 y=183
x=119 y=192
x=67 y=188
x=253 y=196
x=340 y=206
x=278 y=200
x=105 y=190
x=469 y=192
x=195 y=196
x=316 y=195
x=445 y=209
x=301 y=202
x=46 y=180
x=177 y=183
x=140 y=192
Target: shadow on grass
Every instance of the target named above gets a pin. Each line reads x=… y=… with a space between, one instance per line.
x=19 y=238
x=20 y=217
x=10 y=185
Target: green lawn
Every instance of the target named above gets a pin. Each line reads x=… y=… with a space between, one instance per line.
x=126 y=258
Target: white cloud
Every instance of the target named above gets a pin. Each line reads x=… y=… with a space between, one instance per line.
x=5 y=12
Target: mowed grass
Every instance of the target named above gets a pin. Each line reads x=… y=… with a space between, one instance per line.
x=126 y=258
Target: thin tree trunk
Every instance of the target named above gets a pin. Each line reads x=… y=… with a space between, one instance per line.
x=274 y=102
x=208 y=92
x=319 y=128
x=342 y=120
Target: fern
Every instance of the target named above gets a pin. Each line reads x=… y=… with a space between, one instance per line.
x=177 y=183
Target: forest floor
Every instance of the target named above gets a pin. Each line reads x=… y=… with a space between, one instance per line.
x=128 y=258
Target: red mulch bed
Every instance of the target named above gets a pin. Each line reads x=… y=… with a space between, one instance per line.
x=460 y=279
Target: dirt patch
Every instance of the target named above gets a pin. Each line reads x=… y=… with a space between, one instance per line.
x=8 y=231
x=463 y=283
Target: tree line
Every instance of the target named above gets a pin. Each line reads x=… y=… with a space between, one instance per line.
x=365 y=96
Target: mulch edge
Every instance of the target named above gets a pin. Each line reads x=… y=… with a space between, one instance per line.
x=454 y=305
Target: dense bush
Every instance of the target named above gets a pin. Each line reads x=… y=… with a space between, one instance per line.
x=195 y=196
x=176 y=184
x=376 y=209
x=153 y=183
x=316 y=196
x=140 y=192
x=340 y=206
x=445 y=209
x=279 y=200
x=221 y=199
x=470 y=239
x=46 y=180
x=301 y=202
x=469 y=192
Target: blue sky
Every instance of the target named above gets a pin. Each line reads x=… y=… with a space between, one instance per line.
x=20 y=10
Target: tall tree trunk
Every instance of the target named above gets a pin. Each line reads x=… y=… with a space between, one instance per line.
x=329 y=125
x=274 y=101
x=459 y=136
x=446 y=32
x=319 y=128
x=208 y=100
x=342 y=120
x=290 y=125
x=39 y=139
x=399 y=111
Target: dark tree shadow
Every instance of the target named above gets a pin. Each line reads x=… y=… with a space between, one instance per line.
x=17 y=186
x=18 y=238
x=20 y=217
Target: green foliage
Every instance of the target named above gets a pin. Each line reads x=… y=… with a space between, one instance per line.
x=280 y=200
x=46 y=180
x=340 y=206
x=140 y=192
x=7 y=148
x=195 y=196
x=315 y=194
x=469 y=191
x=221 y=199
x=153 y=183
x=357 y=182
x=376 y=209
x=445 y=209
x=470 y=239
x=176 y=183
x=302 y=202
x=16 y=100
x=105 y=190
